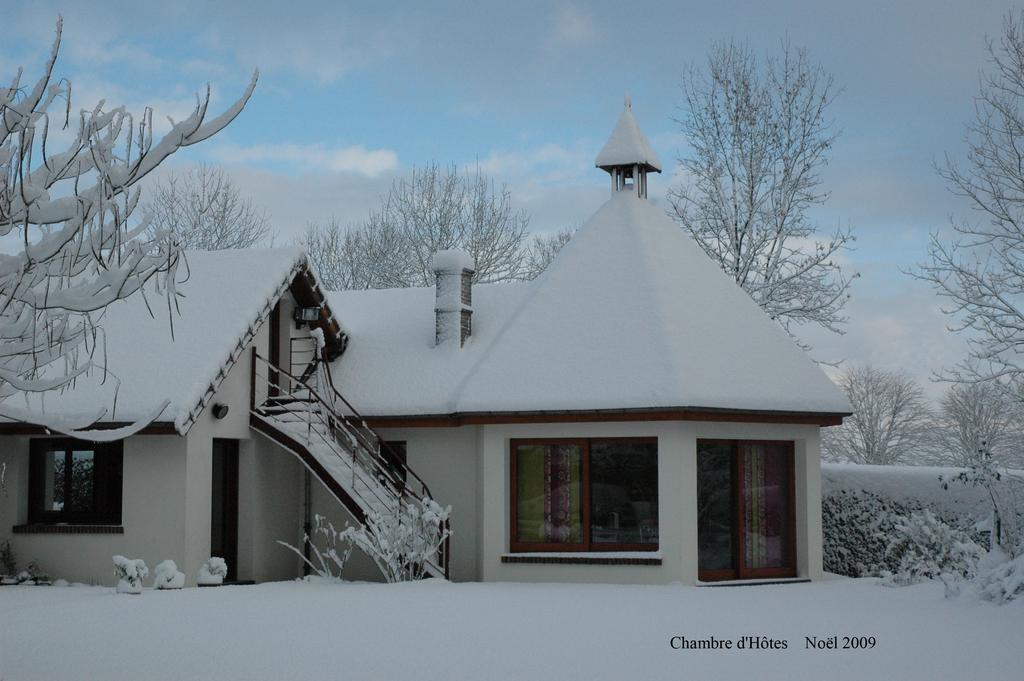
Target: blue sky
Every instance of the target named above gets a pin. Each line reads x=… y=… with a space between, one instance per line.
x=355 y=94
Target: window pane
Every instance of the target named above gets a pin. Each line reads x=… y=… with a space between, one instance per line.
x=715 y=506
x=53 y=481
x=624 y=493
x=766 y=505
x=82 y=480
x=549 y=493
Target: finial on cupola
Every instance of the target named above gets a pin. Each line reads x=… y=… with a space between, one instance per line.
x=627 y=154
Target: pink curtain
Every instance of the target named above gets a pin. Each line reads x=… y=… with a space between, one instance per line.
x=766 y=505
x=558 y=487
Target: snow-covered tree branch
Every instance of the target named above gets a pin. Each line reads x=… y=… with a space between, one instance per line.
x=760 y=135
x=70 y=210
x=203 y=210
x=980 y=272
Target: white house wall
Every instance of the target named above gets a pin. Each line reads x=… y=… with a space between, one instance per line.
x=269 y=510
x=154 y=519
x=468 y=468
x=677 y=498
x=446 y=459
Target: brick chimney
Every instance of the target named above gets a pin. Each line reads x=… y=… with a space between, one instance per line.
x=453 y=309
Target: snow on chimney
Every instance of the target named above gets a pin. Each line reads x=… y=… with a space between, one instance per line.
x=453 y=309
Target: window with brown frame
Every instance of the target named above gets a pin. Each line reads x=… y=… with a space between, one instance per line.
x=597 y=494
x=745 y=516
x=74 y=482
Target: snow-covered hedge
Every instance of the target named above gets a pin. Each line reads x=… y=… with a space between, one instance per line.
x=863 y=508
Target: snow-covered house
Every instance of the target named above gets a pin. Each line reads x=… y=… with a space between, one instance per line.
x=629 y=416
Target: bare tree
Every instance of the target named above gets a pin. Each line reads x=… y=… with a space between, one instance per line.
x=71 y=210
x=374 y=255
x=978 y=420
x=495 y=231
x=204 y=211
x=890 y=419
x=760 y=136
x=428 y=209
x=433 y=209
x=980 y=273
x=543 y=249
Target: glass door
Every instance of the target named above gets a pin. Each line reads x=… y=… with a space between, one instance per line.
x=745 y=509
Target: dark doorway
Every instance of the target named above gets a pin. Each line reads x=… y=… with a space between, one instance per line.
x=224 y=509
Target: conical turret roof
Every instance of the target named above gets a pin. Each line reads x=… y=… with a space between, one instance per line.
x=633 y=314
x=627 y=145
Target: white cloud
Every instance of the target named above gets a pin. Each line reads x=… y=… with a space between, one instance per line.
x=572 y=27
x=547 y=162
x=898 y=326
x=355 y=159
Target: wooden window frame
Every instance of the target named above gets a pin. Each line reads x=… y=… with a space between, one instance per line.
x=108 y=482
x=740 y=570
x=586 y=546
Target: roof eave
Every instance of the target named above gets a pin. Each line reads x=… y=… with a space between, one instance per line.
x=154 y=428
x=646 y=165
x=827 y=418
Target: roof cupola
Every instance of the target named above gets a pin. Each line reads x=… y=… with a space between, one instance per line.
x=628 y=155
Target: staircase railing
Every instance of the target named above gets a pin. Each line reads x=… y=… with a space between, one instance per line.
x=329 y=418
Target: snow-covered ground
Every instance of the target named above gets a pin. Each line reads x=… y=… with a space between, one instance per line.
x=436 y=630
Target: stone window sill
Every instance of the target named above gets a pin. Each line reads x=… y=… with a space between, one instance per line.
x=40 y=528
x=625 y=558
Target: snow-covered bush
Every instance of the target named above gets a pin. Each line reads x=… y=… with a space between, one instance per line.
x=999 y=579
x=400 y=543
x=1004 y=491
x=167 y=576
x=923 y=547
x=212 y=572
x=31 y=575
x=129 y=572
x=856 y=527
x=329 y=562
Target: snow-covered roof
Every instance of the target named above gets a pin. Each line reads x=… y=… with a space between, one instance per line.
x=627 y=145
x=630 y=315
x=225 y=296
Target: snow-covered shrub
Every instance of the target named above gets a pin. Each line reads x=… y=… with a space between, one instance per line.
x=31 y=575
x=1004 y=491
x=923 y=547
x=1000 y=579
x=167 y=576
x=212 y=572
x=400 y=543
x=329 y=562
x=129 y=572
x=856 y=527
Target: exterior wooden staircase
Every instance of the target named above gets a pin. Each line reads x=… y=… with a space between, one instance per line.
x=307 y=416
